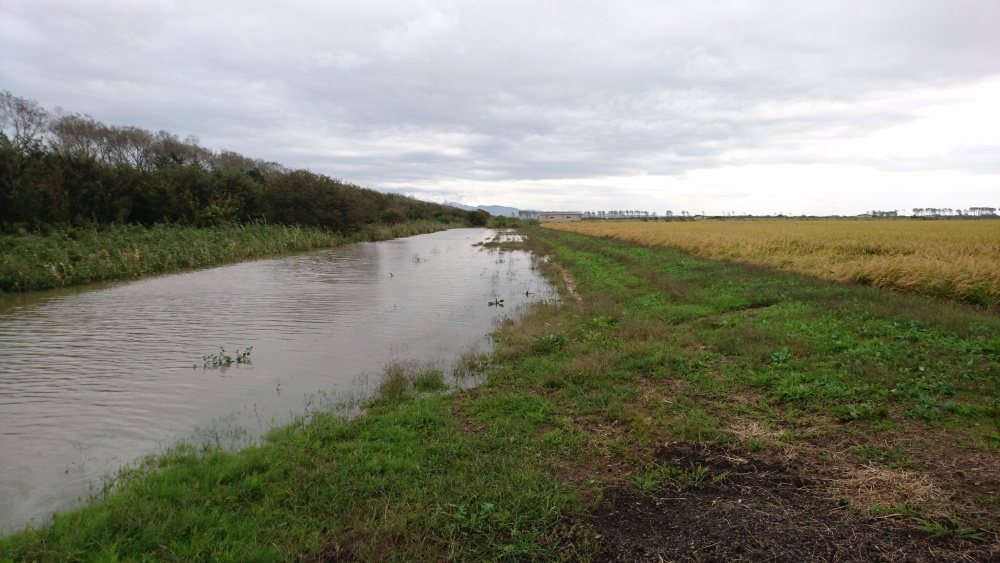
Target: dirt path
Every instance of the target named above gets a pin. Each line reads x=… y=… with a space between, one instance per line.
x=743 y=509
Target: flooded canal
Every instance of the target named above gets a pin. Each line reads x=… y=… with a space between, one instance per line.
x=92 y=379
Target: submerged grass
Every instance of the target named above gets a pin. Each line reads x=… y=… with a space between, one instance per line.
x=71 y=256
x=866 y=390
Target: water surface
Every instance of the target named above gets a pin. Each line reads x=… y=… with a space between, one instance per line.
x=93 y=378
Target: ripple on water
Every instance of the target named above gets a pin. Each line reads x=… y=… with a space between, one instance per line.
x=94 y=378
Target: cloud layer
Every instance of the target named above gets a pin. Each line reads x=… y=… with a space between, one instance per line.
x=745 y=106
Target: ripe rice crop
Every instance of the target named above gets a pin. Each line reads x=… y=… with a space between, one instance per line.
x=957 y=259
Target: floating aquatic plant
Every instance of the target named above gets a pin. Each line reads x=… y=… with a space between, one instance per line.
x=222 y=359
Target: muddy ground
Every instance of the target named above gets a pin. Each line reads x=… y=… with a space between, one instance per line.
x=758 y=511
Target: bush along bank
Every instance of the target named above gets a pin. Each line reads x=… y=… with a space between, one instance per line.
x=64 y=256
x=67 y=168
x=73 y=190
x=668 y=407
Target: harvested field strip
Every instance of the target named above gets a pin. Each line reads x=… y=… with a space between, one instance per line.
x=957 y=259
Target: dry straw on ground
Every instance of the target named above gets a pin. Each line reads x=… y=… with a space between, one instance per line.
x=873 y=485
x=957 y=259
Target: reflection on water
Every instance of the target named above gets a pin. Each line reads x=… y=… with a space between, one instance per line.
x=92 y=379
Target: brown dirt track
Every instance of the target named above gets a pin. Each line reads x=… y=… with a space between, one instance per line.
x=757 y=511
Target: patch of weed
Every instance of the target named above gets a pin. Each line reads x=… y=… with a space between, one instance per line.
x=893 y=458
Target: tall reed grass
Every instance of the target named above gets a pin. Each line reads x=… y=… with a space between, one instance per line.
x=71 y=256
x=958 y=259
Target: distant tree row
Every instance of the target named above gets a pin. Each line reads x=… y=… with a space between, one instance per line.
x=619 y=214
x=948 y=212
x=939 y=212
x=60 y=167
x=636 y=214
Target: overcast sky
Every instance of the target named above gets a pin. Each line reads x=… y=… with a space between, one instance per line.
x=818 y=107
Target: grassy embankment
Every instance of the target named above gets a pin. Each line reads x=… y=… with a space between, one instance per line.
x=71 y=256
x=880 y=395
x=955 y=258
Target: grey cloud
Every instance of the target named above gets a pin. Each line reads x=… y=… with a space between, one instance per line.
x=521 y=90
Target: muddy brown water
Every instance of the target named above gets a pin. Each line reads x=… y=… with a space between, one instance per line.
x=94 y=378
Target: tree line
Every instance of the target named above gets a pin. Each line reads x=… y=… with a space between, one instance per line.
x=614 y=214
x=949 y=212
x=619 y=214
x=63 y=167
x=939 y=212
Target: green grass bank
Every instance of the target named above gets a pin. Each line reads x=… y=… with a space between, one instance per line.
x=886 y=406
x=64 y=256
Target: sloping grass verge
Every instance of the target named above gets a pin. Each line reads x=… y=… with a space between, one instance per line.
x=892 y=401
x=403 y=482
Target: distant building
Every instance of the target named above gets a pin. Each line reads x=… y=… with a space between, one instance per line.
x=560 y=216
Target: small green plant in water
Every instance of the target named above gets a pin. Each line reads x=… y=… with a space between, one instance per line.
x=429 y=381
x=496 y=303
x=222 y=359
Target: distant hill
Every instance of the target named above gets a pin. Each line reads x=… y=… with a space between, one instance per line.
x=497 y=210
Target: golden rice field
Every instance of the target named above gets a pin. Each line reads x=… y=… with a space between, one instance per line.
x=954 y=258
